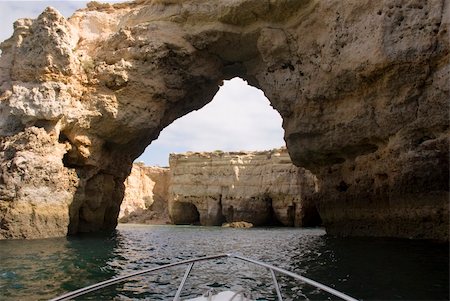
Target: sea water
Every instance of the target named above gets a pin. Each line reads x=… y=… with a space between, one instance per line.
x=365 y=268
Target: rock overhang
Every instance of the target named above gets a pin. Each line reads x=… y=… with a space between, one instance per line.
x=362 y=88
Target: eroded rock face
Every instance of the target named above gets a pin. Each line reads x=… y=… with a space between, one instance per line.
x=362 y=87
x=146 y=195
x=31 y=174
x=261 y=188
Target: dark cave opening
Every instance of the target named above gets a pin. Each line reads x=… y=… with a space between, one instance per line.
x=185 y=214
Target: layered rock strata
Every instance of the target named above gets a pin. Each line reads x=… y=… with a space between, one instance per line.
x=362 y=87
x=260 y=188
x=146 y=195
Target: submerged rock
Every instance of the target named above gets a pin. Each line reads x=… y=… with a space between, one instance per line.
x=240 y=225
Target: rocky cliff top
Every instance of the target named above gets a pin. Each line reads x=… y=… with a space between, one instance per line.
x=191 y=155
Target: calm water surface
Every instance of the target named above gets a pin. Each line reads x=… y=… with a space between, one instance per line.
x=368 y=269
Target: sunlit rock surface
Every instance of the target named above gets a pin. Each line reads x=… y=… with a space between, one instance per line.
x=362 y=87
x=261 y=188
x=146 y=195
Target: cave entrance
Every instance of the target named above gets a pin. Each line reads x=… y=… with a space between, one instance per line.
x=185 y=214
x=239 y=117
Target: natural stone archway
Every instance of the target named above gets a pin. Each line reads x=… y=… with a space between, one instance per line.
x=362 y=87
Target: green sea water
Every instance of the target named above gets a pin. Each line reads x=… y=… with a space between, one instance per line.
x=365 y=268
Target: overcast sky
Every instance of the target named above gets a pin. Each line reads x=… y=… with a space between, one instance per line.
x=238 y=118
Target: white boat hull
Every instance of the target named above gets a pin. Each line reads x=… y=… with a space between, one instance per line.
x=222 y=296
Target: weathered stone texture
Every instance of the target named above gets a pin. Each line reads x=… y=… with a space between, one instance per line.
x=36 y=189
x=261 y=188
x=146 y=195
x=362 y=87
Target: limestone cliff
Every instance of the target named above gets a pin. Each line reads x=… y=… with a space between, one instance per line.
x=362 y=87
x=257 y=187
x=146 y=195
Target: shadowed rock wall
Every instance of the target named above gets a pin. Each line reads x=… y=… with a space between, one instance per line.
x=362 y=87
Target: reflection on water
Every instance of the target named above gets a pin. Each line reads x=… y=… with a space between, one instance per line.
x=365 y=268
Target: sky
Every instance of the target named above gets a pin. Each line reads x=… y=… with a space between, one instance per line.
x=238 y=118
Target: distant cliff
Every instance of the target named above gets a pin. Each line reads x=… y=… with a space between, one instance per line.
x=262 y=188
x=146 y=195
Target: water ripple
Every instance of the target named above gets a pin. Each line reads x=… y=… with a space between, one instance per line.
x=364 y=268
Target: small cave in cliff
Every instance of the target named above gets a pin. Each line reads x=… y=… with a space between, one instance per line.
x=71 y=157
x=311 y=217
x=342 y=187
x=185 y=214
x=68 y=157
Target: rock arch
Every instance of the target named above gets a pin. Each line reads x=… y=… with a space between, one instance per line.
x=362 y=88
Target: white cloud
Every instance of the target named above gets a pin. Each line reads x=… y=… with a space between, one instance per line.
x=238 y=118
